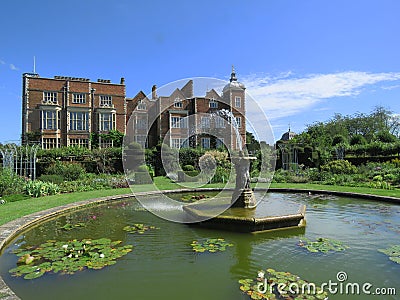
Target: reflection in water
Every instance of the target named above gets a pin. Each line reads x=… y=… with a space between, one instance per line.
x=163 y=266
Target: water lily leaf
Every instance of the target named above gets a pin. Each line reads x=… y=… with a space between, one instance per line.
x=393 y=252
x=138 y=228
x=250 y=287
x=210 y=245
x=323 y=245
x=68 y=257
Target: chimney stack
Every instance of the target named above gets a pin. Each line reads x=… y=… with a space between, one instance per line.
x=154 y=92
x=122 y=80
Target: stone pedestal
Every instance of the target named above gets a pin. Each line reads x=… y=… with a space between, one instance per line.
x=244 y=198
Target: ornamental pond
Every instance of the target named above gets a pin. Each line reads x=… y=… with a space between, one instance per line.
x=167 y=260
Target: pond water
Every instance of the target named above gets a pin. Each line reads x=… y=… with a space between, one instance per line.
x=163 y=265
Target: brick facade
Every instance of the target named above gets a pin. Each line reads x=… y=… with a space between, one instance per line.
x=64 y=111
x=161 y=113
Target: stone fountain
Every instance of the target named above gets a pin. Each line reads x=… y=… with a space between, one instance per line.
x=242 y=215
x=243 y=195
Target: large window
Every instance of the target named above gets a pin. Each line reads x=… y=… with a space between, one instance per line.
x=177 y=122
x=78 y=121
x=179 y=143
x=49 y=143
x=238 y=101
x=105 y=101
x=178 y=102
x=141 y=105
x=205 y=122
x=238 y=122
x=219 y=122
x=78 y=98
x=141 y=123
x=49 y=119
x=205 y=143
x=106 y=121
x=79 y=143
x=50 y=97
x=213 y=103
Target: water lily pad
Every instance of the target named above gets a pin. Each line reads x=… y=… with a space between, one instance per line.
x=392 y=252
x=67 y=257
x=210 y=245
x=70 y=226
x=138 y=228
x=271 y=284
x=323 y=245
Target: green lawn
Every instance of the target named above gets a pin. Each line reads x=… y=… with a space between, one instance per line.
x=14 y=210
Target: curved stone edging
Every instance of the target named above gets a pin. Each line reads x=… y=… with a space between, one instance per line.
x=336 y=193
x=11 y=229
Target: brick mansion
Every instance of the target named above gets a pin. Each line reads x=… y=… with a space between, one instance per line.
x=67 y=111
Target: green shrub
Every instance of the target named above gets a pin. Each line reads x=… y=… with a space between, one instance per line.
x=357 y=139
x=188 y=168
x=68 y=170
x=57 y=179
x=221 y=175
x=39 y=188
x=16 y=197
x=10 y=183
x=142 y=168
x=339 y=167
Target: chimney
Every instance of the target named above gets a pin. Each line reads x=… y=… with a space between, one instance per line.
x=122 y=80
x=154 y=92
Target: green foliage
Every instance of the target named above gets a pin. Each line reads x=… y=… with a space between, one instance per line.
x=39 y=188
x=392 y=252
x=138 y=228
x=69 y=171
x=357 y=139
x=323 y=245
x=188 y=168
x=338 y=139
x=57 y=179
x=67 y=257
x=210 y=245
x=339 y=167
x=10 y=183
x=254 y=288
x=16 y=197
x=91 y=182
x=385 y=137
x=69 y=226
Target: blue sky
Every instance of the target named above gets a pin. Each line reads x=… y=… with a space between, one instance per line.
x=302 y=61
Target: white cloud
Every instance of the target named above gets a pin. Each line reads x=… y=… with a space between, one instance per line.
x=2 y=62
x=13 y=67
x=284 y=95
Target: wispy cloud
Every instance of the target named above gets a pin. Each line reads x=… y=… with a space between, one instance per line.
x=2 y=62
x=13 y=67
x=284 y=96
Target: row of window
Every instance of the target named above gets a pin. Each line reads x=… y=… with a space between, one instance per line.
x=79 y=121
x=212 y=104
x=106 y=100
x=205 y=143
x=181 y=122
x=49 y=143
x=77 y=98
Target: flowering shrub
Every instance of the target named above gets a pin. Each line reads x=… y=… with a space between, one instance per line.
x=39 y=188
